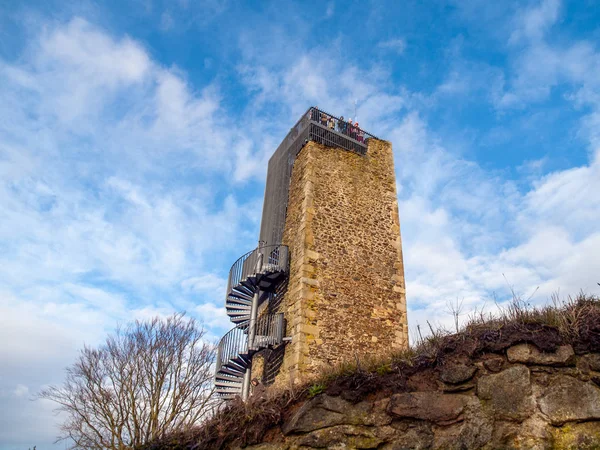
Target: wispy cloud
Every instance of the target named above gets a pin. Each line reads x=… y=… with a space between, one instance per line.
x=397 y=45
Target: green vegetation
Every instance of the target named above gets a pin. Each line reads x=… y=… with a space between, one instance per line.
x=315 y=389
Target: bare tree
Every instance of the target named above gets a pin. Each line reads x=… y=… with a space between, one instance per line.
x=143 y=382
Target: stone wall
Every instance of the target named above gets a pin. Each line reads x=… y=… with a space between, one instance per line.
x=521 y=398
x=346 y=293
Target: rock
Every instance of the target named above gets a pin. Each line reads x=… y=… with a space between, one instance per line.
x=579 y=436
x=268 y=446
x=417 y=436
x=320 y=412
x=494 y=363
x=531 y=434
x=433 y=406
x=327 y=411
x=473 y=432
x=529 y=354
x=457 y=373
x=567 y=399
x=509 y=393
x=589 y=362
x=341 y=436
x=459 y=388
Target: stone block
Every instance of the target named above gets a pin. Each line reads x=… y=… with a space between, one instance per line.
x=457 y=373
x=509 y=393
x=567 y=399
x=309 y=281
x=432 y=406
x=529 y=354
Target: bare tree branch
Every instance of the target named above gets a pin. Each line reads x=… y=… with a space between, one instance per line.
x=145 y=381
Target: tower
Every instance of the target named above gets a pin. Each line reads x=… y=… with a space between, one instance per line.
x=326 y=283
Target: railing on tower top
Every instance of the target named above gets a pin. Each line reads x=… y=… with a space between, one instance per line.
x=324 y=128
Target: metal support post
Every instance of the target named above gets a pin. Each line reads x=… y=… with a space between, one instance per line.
x=246 y=384
x=252 y=331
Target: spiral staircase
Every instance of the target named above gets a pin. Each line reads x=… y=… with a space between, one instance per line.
x=253 y=278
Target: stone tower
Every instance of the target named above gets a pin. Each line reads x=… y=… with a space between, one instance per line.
x=326 y=283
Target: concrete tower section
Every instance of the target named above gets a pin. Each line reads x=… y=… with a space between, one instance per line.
x=346 y=294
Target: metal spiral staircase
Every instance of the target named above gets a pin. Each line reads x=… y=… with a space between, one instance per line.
x=253 y=278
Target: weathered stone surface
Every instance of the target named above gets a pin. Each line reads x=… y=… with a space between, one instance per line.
x=529 y=354
x=577 y=436
x=278 y=446
x=472 y=432
x=455 y=388
x=457 y=373
x=567 y=399
x=494 y=363
x=433 y=406
x=509 y=392
x=320 y=412
x=344 y=436
x=326 y=411
x=531 y=434
x=589 y=362
x=501 y=414
x=346 y=289
x=416 y=436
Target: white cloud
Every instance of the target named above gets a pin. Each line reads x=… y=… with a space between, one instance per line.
x=21 y=390
x=397 y=45
x=533 y=22
x=114 y=178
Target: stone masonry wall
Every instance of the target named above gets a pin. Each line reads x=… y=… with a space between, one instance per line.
x=346 y=293
x=520 y=399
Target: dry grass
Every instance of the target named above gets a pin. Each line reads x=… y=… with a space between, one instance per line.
x=575 y=321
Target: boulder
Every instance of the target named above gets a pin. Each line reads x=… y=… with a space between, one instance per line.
x=432 y=406
x=341 y=436
x=589 y=362
x=531 y=434
x=567 y=399
x=474 y=431
x=580 y=436
x=457 y=373
x=529 y=354
x=327 y=411
x=508 y=393
x=320 y=412
x=494 y=363
x=417 y=436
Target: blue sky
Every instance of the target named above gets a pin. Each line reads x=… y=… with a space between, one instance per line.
x=134 y=137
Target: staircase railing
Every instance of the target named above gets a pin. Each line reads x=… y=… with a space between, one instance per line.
x=272 y=258
x=270 y=329
x=233 y=344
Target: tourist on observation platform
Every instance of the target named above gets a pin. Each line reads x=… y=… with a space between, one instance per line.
x=331 y=123
x=361 y=134
x=316 y=114
x=324 y=119
x=350 y=128
x=342 y=125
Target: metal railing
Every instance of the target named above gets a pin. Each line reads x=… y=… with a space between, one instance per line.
x=269 y=330
x=269 y=333
x=233 y=344
x=324 y=128
x=272 y=258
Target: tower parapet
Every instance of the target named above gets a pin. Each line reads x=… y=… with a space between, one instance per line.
x=334 y=288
